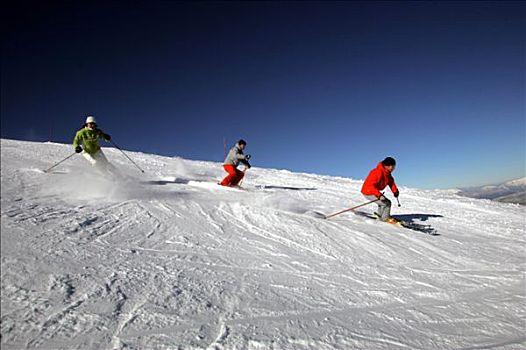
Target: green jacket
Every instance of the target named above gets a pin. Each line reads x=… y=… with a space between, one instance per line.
x=88 y=139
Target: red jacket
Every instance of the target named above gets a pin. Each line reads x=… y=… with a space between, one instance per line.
x=377 y=180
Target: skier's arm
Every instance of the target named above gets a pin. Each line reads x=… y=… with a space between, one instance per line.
x=245 y=160
x=374 y=179
x=77 y=141
x=103 y=135
x=393 y=187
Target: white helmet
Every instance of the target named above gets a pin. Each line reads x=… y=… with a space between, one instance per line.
x=90 y=119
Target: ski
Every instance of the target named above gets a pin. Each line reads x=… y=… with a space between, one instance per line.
x=427 y=229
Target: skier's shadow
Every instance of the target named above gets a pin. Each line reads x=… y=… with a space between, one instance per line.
x=409 y=220
x=167 y=182
x=419 y=217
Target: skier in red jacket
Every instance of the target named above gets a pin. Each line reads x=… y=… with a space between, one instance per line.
x=376 y=181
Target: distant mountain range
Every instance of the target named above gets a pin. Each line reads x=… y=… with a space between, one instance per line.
x=509 y=192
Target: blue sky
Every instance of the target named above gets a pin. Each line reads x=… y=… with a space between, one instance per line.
x=322 y=87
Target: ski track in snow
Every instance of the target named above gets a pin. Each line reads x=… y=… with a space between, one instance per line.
x=167 y=260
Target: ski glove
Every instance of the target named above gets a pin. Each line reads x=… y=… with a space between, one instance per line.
x=78 y=149
x=106 y=137
x=248 y=156
x=396 y=194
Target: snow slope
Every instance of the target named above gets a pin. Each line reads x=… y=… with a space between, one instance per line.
x=165 y=261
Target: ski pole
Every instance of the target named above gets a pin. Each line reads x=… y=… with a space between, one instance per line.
x=399 y=205
x=349 y=209
x=244 y=172
x=113 y=143
x=63 y=160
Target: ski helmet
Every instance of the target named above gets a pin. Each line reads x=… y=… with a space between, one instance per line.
x=91 y=119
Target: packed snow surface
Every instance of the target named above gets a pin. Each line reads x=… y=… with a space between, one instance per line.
x=169 y=260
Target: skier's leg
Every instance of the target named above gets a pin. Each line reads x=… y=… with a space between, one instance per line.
x=239 y=177
x=384 y=207
x=372 y=198
x=231 y=170
x=89 y=158
x=106 y=166
x=102 y=163
x=98 y=161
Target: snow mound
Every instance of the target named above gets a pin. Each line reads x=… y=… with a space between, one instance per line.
x=170 y=260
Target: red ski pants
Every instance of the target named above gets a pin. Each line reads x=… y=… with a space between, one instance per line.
x=233 y=177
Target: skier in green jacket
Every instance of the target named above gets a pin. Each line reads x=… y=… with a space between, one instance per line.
x=86 y=143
